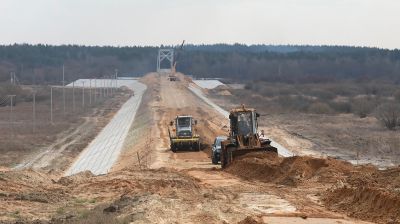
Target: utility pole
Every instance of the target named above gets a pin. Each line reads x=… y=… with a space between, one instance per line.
x=104 y=87
x=83 y=95
x=11 y=111
x=90 y=91
x=101 y=90
x=116 y=80
x=110 y=85
x=279 y=70
x=95 y=91
x=63 y=84
x=73 y=96
x=51 y=105
x=34 y=112
x=106 y=84
x=12 y=78
x=107 y=89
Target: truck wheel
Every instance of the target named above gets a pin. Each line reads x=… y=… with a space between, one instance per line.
x=229 y=155
x=173 y=148
x=214 y=159
x=223 y=158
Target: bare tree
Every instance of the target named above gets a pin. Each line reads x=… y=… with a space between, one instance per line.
x=389 y=115
x=363 y=106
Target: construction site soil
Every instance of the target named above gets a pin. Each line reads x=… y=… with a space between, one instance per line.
x=359 y=191
x=151 y=184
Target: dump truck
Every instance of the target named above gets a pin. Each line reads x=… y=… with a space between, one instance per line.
x=183 y=134
x=243 y=136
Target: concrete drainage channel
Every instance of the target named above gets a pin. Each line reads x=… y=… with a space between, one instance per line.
x=281 y=150
x=100 y=155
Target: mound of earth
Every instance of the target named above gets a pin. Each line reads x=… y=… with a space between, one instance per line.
x=28 y=196
x=368 y=203
x=251 y=220
x=224 y=93
x=2 y=168
x=269 y=167
x=76 y=178
x=369 y=194
x=363 y=192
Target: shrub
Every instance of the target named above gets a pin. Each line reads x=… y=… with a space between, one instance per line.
x=248 y=86
x=319 y=108
x=389 y=115
x=341 y=107
x=363 y=106
x=293 y=103
x=323 y=95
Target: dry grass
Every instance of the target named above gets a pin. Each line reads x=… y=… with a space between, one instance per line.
x=346 y=97
x=19 y=135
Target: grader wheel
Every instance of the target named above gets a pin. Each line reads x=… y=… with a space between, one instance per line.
x=226 y=156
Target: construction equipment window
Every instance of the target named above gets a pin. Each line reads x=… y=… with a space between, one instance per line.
x=184 y=122
x=245 y=124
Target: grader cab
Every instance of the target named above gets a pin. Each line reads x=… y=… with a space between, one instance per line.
x=243 y=136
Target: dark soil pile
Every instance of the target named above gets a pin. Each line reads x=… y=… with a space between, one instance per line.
x=291 y=171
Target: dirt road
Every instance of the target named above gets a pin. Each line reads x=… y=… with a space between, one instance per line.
x=233 y=199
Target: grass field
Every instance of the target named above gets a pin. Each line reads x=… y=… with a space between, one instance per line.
x=24 y=130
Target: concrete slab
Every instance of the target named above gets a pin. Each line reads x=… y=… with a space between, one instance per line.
x=100 y=155
x=208 y=84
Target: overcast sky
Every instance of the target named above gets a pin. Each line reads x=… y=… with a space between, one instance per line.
x=373 y=23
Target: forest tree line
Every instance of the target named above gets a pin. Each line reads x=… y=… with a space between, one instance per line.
x=273 y=63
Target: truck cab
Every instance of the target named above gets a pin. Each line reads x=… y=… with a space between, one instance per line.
x=183 y=135
x=183 y=126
